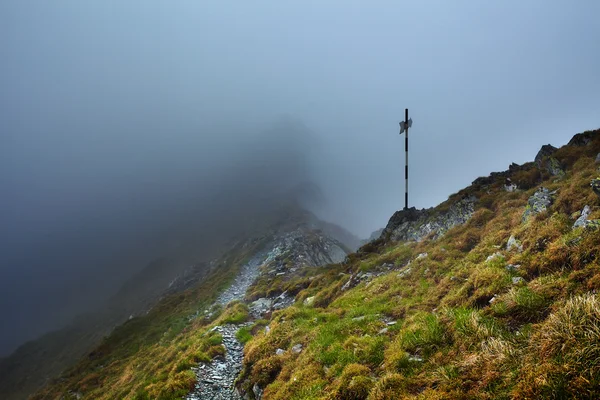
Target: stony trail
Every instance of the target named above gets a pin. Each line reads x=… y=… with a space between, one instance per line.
x=216 y=379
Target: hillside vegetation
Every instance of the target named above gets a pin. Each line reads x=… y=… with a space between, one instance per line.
x=503 y=306
x=465 y=316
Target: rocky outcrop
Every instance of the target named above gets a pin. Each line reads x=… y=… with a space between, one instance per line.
x=539 y=202
x=581 y=139
x=545 y=160
x=546 y=151
x=415 y=225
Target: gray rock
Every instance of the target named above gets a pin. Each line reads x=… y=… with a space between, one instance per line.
x=415 y=225
x=513 y=243
x=554 y=167
x=546 y=151
x=493 y=257
x=279 y=352
x=422 y=256
x=404 y=273
x=297 y=348
x=512 y=268
x=309 y=301
x=509 y=186
x=598 y=158
x=517 y=280
x=582 y=221
x=539 y=202
x=258 y=392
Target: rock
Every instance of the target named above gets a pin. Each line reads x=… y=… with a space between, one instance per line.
x=517 y=279
x=267 y=330
x=493 y=299
x=279 y=352
x=309 y=301
x=513 y=243
x=415 y=359
x=544 y=159
x=416 y=225
x=297 y=348
x=509 y=186
x=554 y=167
x=581 y=139
x=422 y=256
x=383 y=331
x=582 y=221
x=512 y=268
x=260 y=307
x=361 y=318
x=258 y=392
x=391 y=323
x=596 y=186
x=539 y=202
x=404 y=273
x=546 y=151
x=493 y=257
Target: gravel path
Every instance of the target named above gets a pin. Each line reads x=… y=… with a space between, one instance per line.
x=216 y=379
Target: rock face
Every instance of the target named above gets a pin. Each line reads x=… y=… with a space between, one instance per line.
x=539 y=202
x=415 y=225
x=544 y=160
x=546 y=151
x=581 y=139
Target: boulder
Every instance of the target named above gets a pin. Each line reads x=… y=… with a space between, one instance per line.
x=297 y=348
x=539 y=202
x=583 y=218
x=513 y=243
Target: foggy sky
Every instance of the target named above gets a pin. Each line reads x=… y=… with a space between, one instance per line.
x=113 y=114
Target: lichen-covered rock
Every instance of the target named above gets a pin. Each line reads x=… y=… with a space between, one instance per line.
x=554 y=167
x=415 y=225
x=539 y=202
x=583 y=218
x=513 y=243
x=546 y=151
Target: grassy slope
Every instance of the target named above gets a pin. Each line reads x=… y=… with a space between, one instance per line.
x=539 y=338
x=150 y=357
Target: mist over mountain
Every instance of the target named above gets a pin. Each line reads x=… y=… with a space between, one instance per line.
x=186 y=205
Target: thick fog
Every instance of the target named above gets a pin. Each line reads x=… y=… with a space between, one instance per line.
x=120 y=120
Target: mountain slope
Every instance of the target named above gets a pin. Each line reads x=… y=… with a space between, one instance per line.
x=151 y=355
x=490 y=295
x=502 y=305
